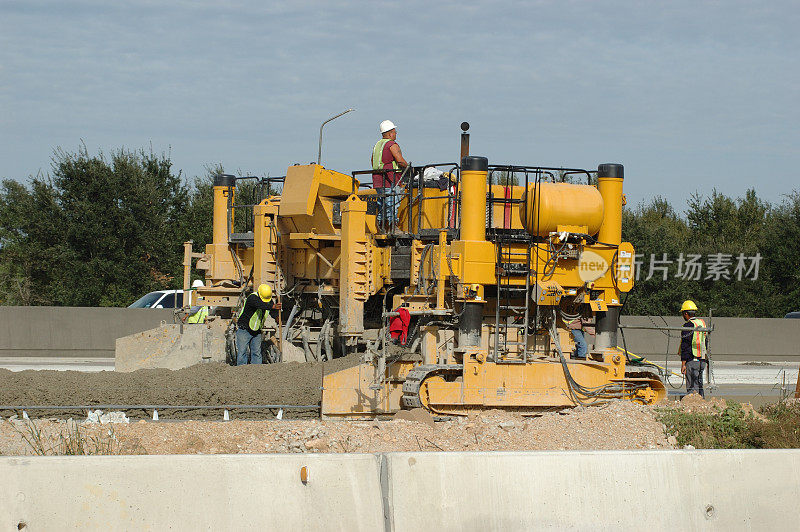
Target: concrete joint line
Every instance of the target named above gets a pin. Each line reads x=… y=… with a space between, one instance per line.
x=386 y=495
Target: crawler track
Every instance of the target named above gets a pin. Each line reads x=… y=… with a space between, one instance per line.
x=415 y=378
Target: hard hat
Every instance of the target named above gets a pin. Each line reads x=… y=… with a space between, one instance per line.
x=688 y=305
x=265 y=292
x=197 y=283
x=387 y=125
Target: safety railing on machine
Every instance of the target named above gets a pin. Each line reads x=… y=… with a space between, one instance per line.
x=411 y=185
x=253 y=191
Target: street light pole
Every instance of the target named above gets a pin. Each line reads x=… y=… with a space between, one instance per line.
x=319 y=153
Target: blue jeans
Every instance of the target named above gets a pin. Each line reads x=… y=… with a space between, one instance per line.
x=247 y=342
x=581 y=348
x=386 y=206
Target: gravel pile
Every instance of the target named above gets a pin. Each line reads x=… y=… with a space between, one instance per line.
x=616 y=425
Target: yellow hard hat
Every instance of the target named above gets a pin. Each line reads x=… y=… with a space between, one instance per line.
x=688 y=305
x=265 y=292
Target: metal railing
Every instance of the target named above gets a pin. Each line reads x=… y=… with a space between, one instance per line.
x=412 y=181
x=241 y=218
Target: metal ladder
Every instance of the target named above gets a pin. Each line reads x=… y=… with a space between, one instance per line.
x=512 y=262
x=512 y=310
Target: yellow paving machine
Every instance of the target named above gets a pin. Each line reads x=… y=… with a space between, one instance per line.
x=480 y=267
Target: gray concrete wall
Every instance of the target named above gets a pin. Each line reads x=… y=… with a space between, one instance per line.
x=85 y=332
x=756 y=339
x=92 y=332
x=594 y=490
x=191 y=493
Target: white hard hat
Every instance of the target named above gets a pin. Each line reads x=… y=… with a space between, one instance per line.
x=197 y=283
x=386 y=125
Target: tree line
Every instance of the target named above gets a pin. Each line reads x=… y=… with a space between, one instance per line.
x=98 y=230
x=735 y=256
x=102 y=230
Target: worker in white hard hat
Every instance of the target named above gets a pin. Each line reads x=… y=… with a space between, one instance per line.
x=694 y=344
x=197 y=313
x=387 y=156
x=249 y=321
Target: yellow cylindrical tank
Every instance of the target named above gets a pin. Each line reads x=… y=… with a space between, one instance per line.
x=435 y=213
x=609 y=183
x=473 y=197
x=557 y=204
x=223 y=184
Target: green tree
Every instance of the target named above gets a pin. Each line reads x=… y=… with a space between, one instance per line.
x=731 y=227
x=98 y=232
x=657 y=233
x=781 y=253
x=717 y=228
x=30 y=243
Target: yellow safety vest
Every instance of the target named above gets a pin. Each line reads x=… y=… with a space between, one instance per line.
x=255 y=320
x=698 y=339
x=377 y=155
x=199 y=316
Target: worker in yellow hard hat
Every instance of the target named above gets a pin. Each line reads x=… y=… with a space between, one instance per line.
x=249 y=321
x=694 y=346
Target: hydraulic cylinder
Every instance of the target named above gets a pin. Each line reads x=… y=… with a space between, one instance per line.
x=224 y=184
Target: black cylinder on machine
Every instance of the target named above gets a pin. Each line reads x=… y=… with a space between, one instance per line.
x=607 y=328
x=224 y=180
x=469 y=326
x=611 y=170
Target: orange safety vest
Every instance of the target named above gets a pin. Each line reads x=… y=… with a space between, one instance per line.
x=698 y=339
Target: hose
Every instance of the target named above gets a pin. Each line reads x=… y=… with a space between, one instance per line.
x=322 y=342
x=421 y=281
x=318 y=347
x=642 y=361
x=290 y=319
x=306 y=349
x=596 y=393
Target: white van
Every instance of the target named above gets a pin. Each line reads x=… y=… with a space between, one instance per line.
x=160 y=299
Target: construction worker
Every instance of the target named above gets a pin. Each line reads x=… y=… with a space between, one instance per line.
x=197 y=313
x=248 y=331
x=579 y=327
x=694 y=344
x=386 y=155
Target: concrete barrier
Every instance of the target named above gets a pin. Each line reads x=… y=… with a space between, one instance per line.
x=91 y=333
x=84 y=332
x=237 y=492
x=600 y=490
x=741 y=339
x=597 y=490
x=171 y=346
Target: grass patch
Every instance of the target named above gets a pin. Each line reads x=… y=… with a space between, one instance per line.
x=731 y=427
x=781 y=430
x=73 y=440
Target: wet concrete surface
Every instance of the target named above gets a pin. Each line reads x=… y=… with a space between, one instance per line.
x=744 y=381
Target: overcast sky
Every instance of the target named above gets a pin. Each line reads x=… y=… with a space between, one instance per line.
x=687 y=95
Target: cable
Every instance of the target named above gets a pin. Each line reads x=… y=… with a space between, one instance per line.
x=596 y=393
x=642 y=361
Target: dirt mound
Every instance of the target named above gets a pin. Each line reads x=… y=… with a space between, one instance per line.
x=693 y=402
x=693 y=399
x=419 y=415
x=291 y=383
x=616 y=425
